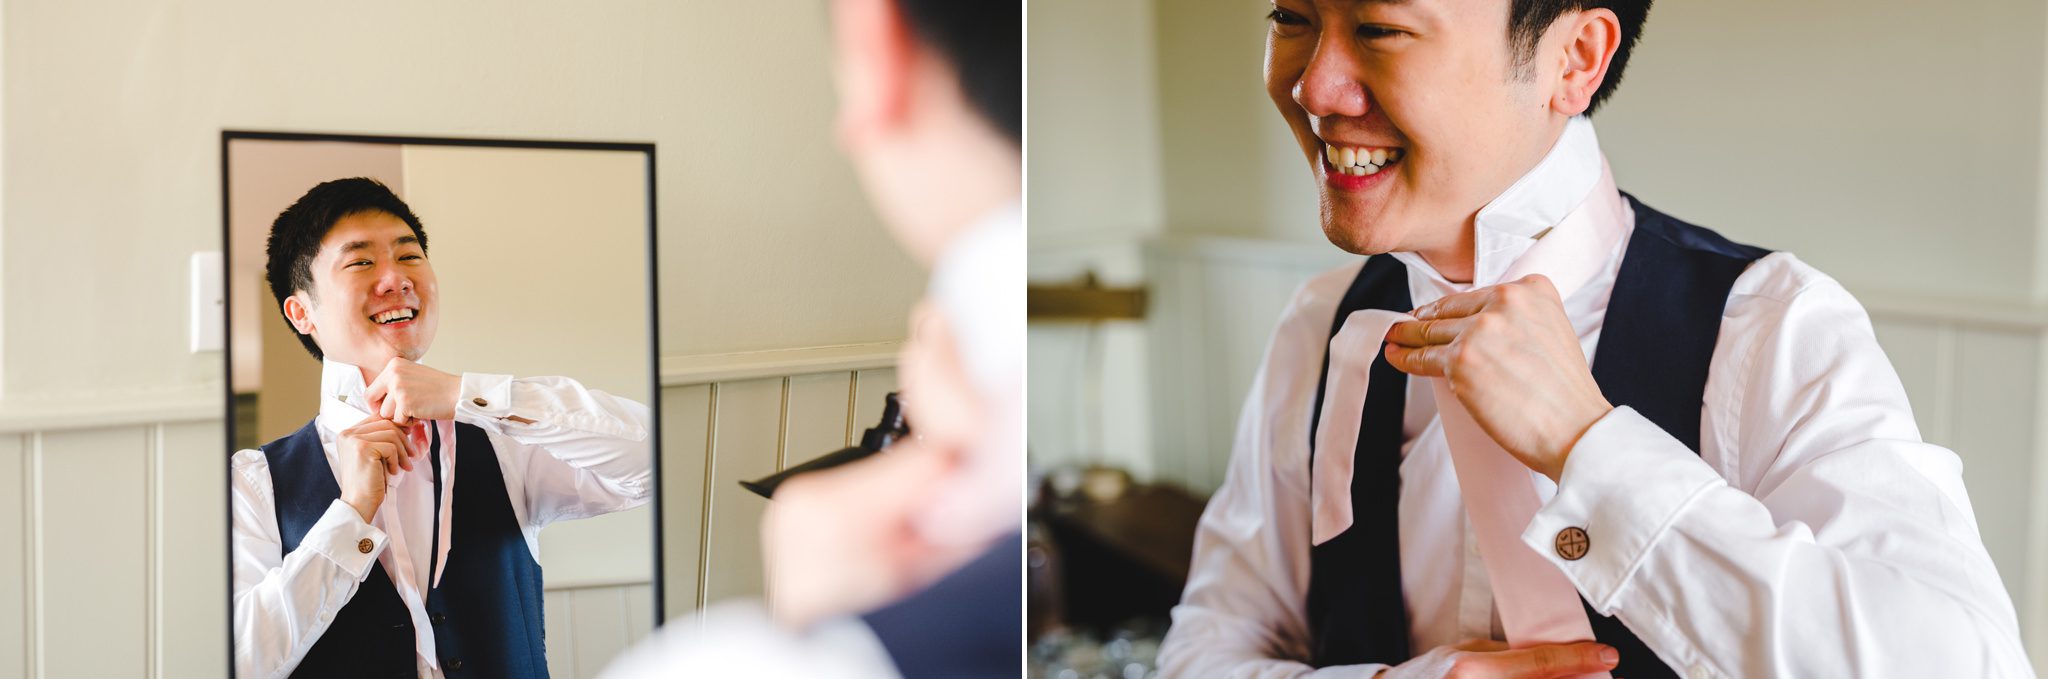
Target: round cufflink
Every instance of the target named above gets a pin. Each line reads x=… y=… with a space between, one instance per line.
x=365 y=546
x=480 y=402
x=1572 y=543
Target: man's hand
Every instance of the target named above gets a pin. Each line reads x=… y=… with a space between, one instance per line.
x=1513 y=359
x=407 y=392
x=366 y=453
x=1485 y=659
x=844 y=540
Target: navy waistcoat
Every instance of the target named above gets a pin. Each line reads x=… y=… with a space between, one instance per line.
x=1655 y=347
x=968 y=624
x=486 y=613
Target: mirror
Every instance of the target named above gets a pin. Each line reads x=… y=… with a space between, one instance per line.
x=537 y=262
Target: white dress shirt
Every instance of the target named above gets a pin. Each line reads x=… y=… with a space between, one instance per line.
x=1814 y=534
x=975 y=284
x=566 y=452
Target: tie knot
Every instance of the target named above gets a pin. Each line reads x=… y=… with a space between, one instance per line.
x=419 y=436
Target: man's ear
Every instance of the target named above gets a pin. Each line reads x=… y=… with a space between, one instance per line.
x=1587 y=50
x=874 y=60
x=299 y=313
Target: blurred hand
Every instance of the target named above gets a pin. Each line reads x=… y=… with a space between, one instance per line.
x=1486 y=659
x=844 y=540
x=364 y=455
x=1512 y=358
x=407 y=392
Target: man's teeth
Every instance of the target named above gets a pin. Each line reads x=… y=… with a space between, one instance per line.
x=393 y=316
x=1359 y=161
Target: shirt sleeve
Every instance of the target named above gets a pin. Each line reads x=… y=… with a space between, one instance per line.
x=1244 y=613
x=572 y=452
x=283 y=603
x=1846 y=546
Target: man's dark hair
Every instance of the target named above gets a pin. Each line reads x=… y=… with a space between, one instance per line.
x=295 y=236
x=984 y=41
x=1528 y=19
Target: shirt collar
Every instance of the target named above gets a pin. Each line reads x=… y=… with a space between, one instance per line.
x=338 y=379
x=1513 y=221
x=341 y=398
x=973 y=283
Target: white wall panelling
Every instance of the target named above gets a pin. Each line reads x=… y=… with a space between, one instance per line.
x=112 y=551
x=718 y=433
x=1160 y=397
x=1976 y=374
x=113 y=531
x=16 y=561
x=588 y=626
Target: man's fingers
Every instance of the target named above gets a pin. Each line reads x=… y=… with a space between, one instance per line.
x=378 y=389
x=1426 y=361
x=369 y=426
x=386 y=454
x=1488 y=645
x=396 y=411
x=383 y=433
x=394 y=454
x=1562 y=660
x=1456 y=306
x=1424 y=333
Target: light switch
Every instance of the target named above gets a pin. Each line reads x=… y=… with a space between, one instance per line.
x=209 y=302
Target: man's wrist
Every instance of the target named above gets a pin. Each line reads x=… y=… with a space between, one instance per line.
x=1592 y=414
x=452 y=387
x=364 y=509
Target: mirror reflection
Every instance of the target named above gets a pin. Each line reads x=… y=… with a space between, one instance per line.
x=441 y=360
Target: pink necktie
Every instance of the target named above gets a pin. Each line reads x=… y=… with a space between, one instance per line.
x=1537 y=603
x=422 y=441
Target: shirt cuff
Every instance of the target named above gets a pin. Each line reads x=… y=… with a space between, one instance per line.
x=1623 y=484
x=343 y=537
x=485 y=396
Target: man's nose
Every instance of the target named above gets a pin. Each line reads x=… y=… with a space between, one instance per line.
x=394 y=281
x=1330 y=85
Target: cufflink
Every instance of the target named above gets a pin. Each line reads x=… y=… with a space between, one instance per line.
x=480 y=402
x=365 y=545
x=1572 y=543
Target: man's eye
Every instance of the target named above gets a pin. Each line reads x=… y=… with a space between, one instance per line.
x=1285 y=18
x=410 y=257
x=360 y=262
x=1371 y=32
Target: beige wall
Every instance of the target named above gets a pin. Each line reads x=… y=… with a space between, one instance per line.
x=1799 y=126
x=765 y=244
x=1102 y=171
x=1803 y=127
x=119 y=108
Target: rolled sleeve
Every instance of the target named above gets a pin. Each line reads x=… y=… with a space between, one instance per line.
x=339 y=536
x=1624 y=484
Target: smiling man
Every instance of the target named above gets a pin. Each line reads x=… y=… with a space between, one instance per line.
x=1697 y=444
x=358 y=548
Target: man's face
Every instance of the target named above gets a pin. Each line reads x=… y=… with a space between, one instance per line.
x=1410 y=113
x=374 y=294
